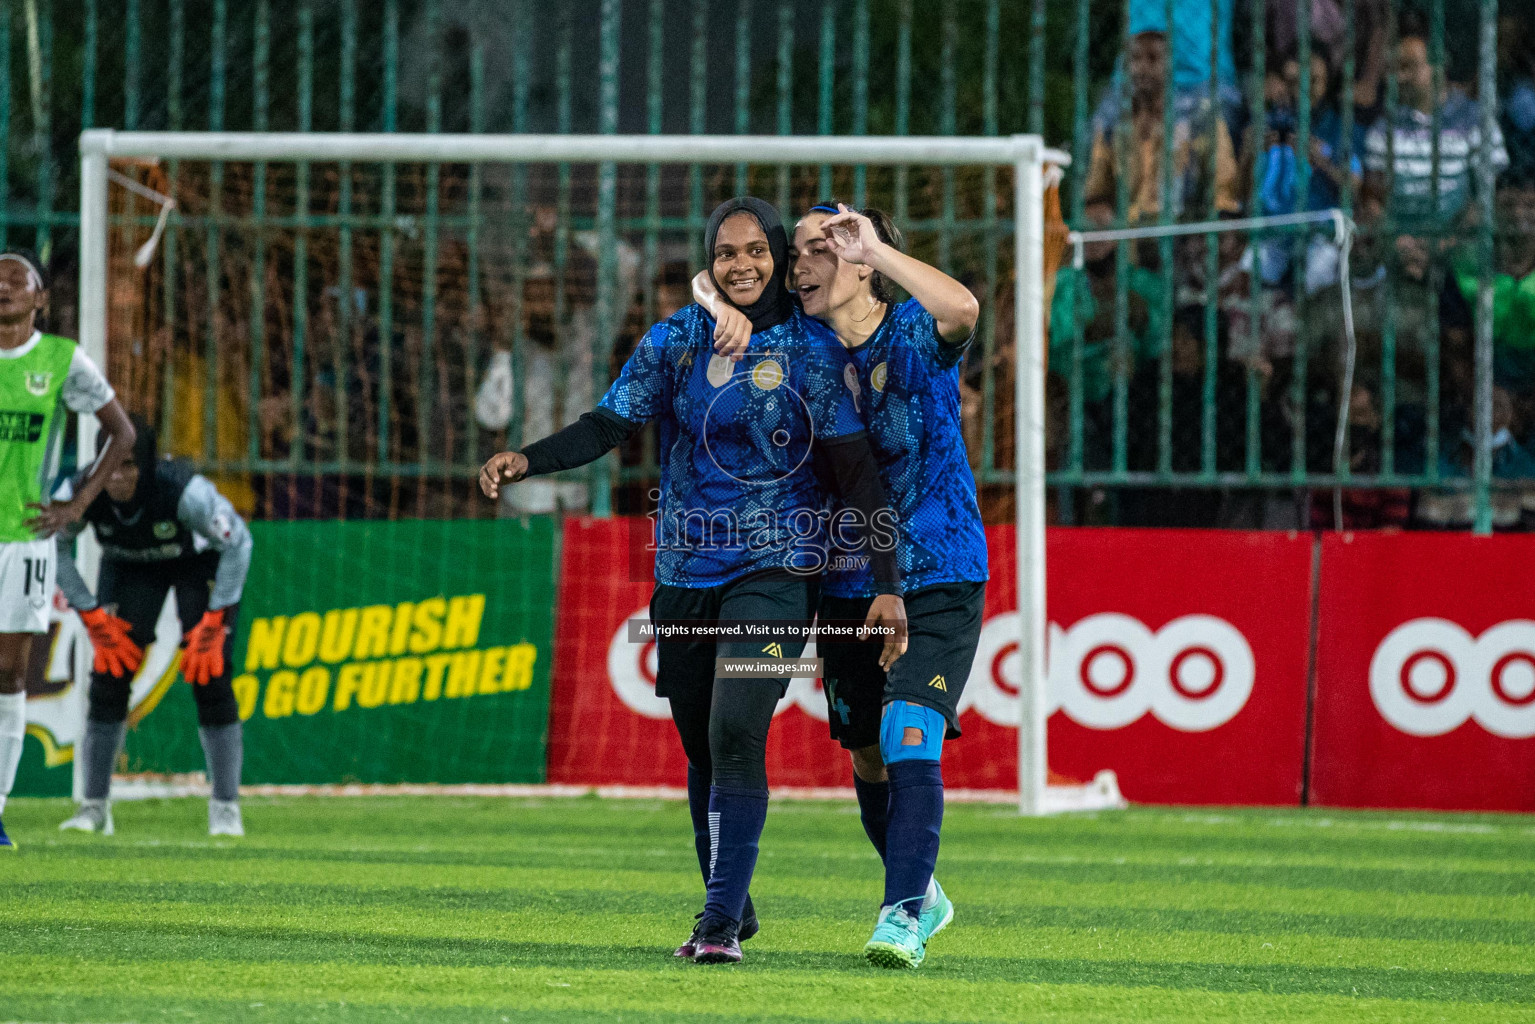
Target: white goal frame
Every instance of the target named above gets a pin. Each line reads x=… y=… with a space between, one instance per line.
x=1026 y=154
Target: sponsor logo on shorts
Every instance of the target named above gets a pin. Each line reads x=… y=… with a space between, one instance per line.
x=1429 y=676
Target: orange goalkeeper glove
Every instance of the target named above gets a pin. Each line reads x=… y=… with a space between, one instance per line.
x=115 y=654
x=204 y=657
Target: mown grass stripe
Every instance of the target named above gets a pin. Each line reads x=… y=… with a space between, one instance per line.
x=136 y=897
x=455 y=909
x=1447 y=881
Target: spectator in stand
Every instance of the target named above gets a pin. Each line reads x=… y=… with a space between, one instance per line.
x=1282 y=27
x=1086 y=297
x=1183 y=506
x=1513 y=301
x=1410 y=179
x=1189 y=39
x=1333 y=163
x=1511 y=462
x=1517 y=41
x=1399 y=196
x=1129 y=144
x=557 y=360
x=1364 y=508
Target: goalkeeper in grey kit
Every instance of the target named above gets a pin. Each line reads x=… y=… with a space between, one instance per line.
x=161 y=527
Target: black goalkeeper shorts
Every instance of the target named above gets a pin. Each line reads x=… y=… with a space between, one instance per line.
x=943 y=629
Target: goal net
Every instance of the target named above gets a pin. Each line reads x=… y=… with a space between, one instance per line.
x=338 y=330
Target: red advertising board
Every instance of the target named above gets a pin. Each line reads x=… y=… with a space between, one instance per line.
x=607 y=726
x=1178 y=659
x=1426 y=673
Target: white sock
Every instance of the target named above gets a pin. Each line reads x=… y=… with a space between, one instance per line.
x=930 y=898
x=13 y=733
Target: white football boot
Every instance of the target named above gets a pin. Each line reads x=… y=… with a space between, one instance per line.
x=90 y=816
x=224 y=818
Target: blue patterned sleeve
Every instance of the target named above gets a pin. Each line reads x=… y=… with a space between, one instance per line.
x=831 y=386
x=639 y=394
x=917 y=327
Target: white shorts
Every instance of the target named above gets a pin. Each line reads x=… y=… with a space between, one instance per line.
x=26 y=585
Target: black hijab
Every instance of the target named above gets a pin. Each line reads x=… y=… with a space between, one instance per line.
x=145 y=453
x=775 y=304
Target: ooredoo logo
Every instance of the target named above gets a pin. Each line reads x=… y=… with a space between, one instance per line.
x=1108 y=670
x=1428 y=676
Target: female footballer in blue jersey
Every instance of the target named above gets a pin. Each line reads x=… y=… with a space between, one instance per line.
x=739 y=531
x=844 y=267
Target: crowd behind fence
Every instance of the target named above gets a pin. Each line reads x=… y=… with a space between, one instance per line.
x=352 y=341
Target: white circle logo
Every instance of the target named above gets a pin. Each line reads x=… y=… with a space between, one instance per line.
x=1428 y=676
x=632 y=671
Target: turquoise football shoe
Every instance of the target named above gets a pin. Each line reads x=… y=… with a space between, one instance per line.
x=897 y=940
x=937 y=917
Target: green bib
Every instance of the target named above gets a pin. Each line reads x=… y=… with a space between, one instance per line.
x=31 y=421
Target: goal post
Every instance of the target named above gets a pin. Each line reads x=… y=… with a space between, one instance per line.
x=1026 y=155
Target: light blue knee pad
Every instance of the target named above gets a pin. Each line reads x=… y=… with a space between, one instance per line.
x=899 y=716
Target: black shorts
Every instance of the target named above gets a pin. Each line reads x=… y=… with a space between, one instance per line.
x=685 y=668
x=943 y=629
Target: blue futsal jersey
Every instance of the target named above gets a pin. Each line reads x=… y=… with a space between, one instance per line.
x=738 y=490
x=910 y=383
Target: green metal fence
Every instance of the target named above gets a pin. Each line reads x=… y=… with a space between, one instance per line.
x=1152 y=397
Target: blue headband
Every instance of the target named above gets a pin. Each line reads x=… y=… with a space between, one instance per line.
x=826 y=209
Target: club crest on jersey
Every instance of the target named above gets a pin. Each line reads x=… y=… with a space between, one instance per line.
x=720 y=370
x=878 y=376
x=767 y=374
x=165 y=530
x=37 y=383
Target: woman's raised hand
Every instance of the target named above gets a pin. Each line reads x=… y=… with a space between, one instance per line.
x=850 y=235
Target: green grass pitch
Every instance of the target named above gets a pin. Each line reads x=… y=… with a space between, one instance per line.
x=449 y=909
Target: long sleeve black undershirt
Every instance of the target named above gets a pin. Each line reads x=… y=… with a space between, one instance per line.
x=588 y=439
x=849 y=461
x=854 y=472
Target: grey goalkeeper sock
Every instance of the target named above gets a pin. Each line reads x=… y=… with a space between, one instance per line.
x=224 y=747
x=102 y=742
